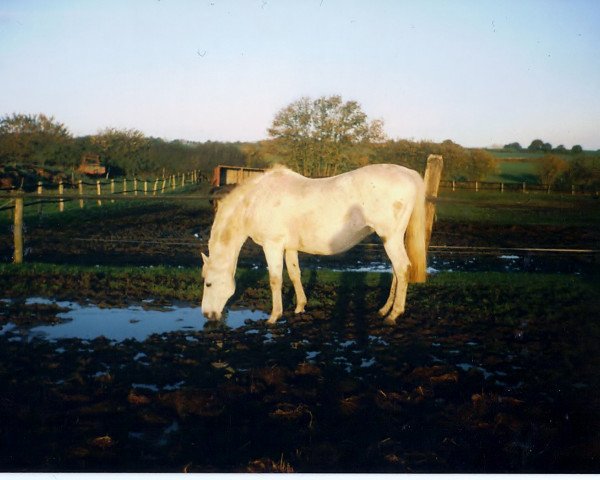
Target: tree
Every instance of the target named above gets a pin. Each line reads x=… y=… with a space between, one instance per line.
x=320 y=137
x=536 y=146
x=560 y=149
x=550 y=168
x=480 y=164
x=459 y=163
x=124 y=151
x=585 y=171
x=513 y=147
x=576 y=149
x=35 y=139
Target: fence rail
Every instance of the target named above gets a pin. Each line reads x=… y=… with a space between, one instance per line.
x=119 y=189
x=523 y=187
x=192 y=176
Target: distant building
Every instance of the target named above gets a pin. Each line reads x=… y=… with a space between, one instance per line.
x=90 y=165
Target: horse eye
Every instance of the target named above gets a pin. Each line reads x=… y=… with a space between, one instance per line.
x=208 y=285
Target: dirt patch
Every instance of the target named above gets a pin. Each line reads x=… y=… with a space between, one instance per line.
x=538 y=236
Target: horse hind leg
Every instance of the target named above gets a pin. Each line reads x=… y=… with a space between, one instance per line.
x=394 y=247
x=293 y=268
x=383 y=311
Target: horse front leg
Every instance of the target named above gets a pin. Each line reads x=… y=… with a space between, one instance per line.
x=274 y=257
x=293 y=268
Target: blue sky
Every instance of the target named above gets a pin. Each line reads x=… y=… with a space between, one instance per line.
x=477 y=72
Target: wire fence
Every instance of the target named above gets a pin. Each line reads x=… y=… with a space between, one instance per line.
x=110 y=190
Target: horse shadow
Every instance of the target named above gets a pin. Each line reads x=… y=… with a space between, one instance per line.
x=354 y=299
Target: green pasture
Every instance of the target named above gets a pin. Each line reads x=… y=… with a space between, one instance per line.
x=118 y=284
x=515 y=171
x=518 y=167
x=517 y=208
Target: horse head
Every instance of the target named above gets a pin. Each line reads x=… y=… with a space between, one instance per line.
x=219 y=286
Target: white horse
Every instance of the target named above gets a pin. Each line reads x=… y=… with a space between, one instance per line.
x=285 y=212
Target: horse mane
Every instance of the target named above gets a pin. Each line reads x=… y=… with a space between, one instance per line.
x=241 y=189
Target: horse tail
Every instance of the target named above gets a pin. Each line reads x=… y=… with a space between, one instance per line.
x=416 y=246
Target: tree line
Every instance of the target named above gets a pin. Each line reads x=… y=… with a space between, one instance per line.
x=315 y=137
x=41 y=141
x=539 y=145
x=556 y=171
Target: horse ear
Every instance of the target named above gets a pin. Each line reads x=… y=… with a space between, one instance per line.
x=204 y=258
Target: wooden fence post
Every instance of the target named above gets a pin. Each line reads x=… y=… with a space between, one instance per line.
x=433 y=174
x=40 y=190
x=135 y=185
x=182 y=180
x=80 y=189
x=145 y=187
x=502 y=187
x=112 y=188
x=99 y=192
x=155 y=187
x=163 y=185
x=18 y=231
x=61 y=201
x=124 y=185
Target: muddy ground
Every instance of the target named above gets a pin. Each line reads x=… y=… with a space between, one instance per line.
x=478 y=376
x=482 y=374
x=174 y=234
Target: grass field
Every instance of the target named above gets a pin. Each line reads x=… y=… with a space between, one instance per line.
x=520 y=167
x=515 y=171
x=518 y=208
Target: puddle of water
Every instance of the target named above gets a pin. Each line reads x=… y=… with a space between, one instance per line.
x=367 y=362
x=146 y=386
x=377 y=262
x=117 y=324
x=311 y=355
x=468 y=366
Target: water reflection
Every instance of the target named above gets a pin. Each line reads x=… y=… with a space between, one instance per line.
x=137 y=322
x=376 y=261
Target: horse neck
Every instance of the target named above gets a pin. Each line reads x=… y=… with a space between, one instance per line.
x=227 y=236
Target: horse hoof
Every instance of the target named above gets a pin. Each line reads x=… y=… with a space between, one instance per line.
x=299 y=310
x=389 y=321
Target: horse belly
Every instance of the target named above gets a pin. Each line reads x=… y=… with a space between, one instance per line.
x=326 y=238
